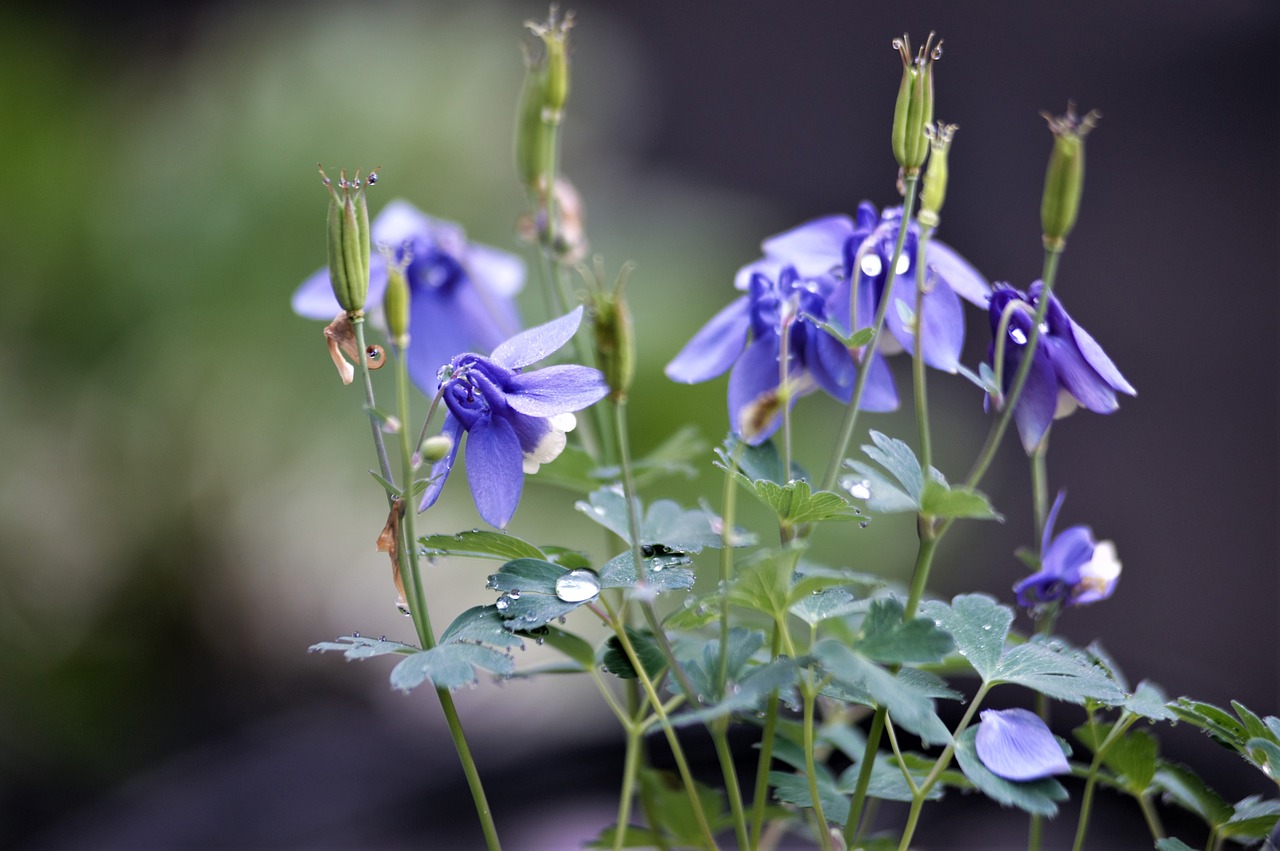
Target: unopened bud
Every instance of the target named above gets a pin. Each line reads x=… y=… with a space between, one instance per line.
x=542 y=99
x=349 y=239
x=436 y=447
x=614 y=336
x=1064 y=179
x=395 y=304
x=555 y=38
x=934 y=191
x=914 y=108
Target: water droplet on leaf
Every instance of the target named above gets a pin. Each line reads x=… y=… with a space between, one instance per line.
x=578 y=586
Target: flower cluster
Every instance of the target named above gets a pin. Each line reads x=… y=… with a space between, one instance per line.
x=515 y=420
x=831 y=271
x=461 y=293
x=1074 y=569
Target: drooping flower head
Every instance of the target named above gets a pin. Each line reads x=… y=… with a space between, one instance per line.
x=748 y=336
x=862 y=248
x=1069 y=369
x=461 y=293
x=1074 y=570
x=514 y=420
x=1017 y=745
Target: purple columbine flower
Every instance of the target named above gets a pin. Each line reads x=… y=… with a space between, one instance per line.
x=461 y=293
x=514 y=420
x=1074 y=569
x=1069 y=370
x=1017 y=745
x=777 y=301
x=839 y=246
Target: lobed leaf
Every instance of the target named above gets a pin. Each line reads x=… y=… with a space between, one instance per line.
x=1055 y=670
x=480 y=543
x=887 y=639
x=978 y=625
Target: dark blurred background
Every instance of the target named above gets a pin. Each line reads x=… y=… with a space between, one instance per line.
x=183 y=500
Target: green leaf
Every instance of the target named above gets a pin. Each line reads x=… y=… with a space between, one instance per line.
x=664 y=572
x=637 y=837
x=575 y=647
x=1184 y=787
x=818 y=606
x=665 y=524
x=1170 y=843
x=763 y=583
x=854 y=341
x=1252 y=818
x=479 y=543
x=795 y=504
x=1038 y=797
x=358 y=647
x=1265 y=754
x=449 y=666
x=608 y=507
x=909 y=706
x=529 y=598
x=978 y=625
x=1215 y=721
x=670 y=799
x=1254 y=727
x=1099 y=655
x=696 y=612
x=1053 y=669
x=1133 y=756
x=616 y=662
x=749 y=692
x=794 y=789
x=896 y=457
x=483 y=624
x=886 y=639
x=758 y=463
x=391 y=489
x=887 y=781
x=1149 y=701
x=943 y=501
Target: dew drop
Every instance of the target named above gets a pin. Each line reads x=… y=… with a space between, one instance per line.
x=578 y=586
x=986 y=627
x=1017 y=336
x=376 y=356
x=864 y=524
x=860 y=489
x=372 y=178
x=904 y=263
x=871 y=265
x=647 y=551
x=355 y=635
x=502 y=604
x=513 y=594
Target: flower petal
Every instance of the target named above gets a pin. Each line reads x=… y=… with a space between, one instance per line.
x=498 y=271
x=556 y=390
x=1038 y=401
x=1097 y=578
x=1068 y=553
x=436 y=335
x=814 y=248
x=754 y=375
x=964 y=280
x=1046 y=539
x=537 y=343
x=440 y=470
x=1016 y=745
x=879 y=395
x=1098 y=359
x=314 y=299
x=495 y=470
x=713 y=349
x=1077 y=376
x=830 y=363
x=942 y=337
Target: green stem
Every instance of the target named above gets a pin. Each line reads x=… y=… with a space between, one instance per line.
x=384 y=466
x=677 y=751
x=809 y=692
x=1086 y=799
x=761 y=796
x=422 y=617
x=1040 y=488
x=720 y=735
x=728 y=514
x=944 y=760
x=917 y=360
x=1152 y=817
x=784 y=393
x=852 y=826
x=924 y=564
x=994 y=437
x=630 y=768
x=869 y=351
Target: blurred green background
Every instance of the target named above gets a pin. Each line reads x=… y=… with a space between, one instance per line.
x=184 y=506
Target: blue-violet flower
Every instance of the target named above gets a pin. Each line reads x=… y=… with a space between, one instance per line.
x=514 y=420
x=1074 y=569
x=778 y=301
x=1017 y=745
x=1070 y=369
x=461 y=293
x=862 y=248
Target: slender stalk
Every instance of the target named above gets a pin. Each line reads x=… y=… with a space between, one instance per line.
x=917 y=360
x=939 y=766
x=719 y=735
x=1040 y=487
x=1152 y=817
x=1051 y=256
x=809 y=692
x=761 y=795
x=728 y=514
x=784 y=390
x=630 y=768
x=422 y=617
x=677 y=752
x=869 y=351
x=384 y=466
x=1086 y=799
x=897 y=753
x=853 y=827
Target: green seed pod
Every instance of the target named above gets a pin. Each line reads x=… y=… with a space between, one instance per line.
x=395 y=304
x=1064 y=178
x=914 y=108
x=934 y=190
x=533 y=137
x=349 y=239
x=614 y=335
